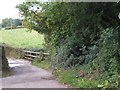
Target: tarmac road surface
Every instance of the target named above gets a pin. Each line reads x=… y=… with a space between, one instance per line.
x=28 y=76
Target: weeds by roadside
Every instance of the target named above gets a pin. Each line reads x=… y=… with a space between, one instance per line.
x=73 y=77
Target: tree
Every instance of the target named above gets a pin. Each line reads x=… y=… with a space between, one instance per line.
x=79 y=26
x=9 y=22
x=78 y=33
x=17 y=22
x=5 y=22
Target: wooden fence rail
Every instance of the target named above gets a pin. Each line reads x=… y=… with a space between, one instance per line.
x=31 y=55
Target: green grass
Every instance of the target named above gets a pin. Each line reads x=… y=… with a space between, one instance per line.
x=68 y=77
x=41 y=64
x=22 y=38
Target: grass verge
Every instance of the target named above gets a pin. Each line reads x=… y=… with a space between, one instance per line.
x=41 y=64
x=69 y=77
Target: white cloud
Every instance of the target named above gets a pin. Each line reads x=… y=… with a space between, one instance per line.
x=8 y=8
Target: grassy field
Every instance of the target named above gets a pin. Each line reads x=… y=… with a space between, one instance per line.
x=22 y=38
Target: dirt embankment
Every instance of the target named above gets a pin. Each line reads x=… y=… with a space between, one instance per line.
x=13 y=52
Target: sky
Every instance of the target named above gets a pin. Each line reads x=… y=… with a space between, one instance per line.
x=8 y=8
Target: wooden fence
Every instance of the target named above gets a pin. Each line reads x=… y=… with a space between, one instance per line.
x=32 y=55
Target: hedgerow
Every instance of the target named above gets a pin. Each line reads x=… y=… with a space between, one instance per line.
x=79 y=34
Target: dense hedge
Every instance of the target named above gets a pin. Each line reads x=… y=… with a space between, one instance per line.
x=79 y=34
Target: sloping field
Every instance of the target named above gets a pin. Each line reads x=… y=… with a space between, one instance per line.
x=22 y=38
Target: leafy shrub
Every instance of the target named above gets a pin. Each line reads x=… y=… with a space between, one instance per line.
x=107 y=58
x=86 y=35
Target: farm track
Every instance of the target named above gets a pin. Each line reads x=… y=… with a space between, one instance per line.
x=28 y=76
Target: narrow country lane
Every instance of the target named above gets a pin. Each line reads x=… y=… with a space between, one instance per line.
x=28 y=76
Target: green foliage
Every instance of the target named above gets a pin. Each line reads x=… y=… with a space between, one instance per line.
x=79 y=34
x=69 y=77
x=41 y=64
x=107 y=58
x=11 y=23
